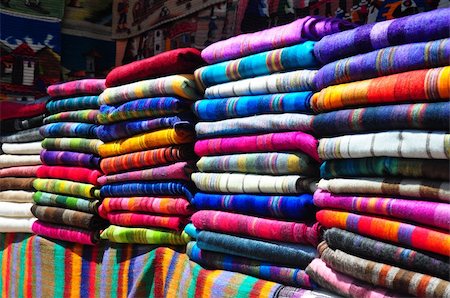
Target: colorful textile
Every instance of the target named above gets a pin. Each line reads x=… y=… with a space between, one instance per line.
x=13 y=125
x=13 y=183
x=63 y=216
x=402 y=143
x=143 y=236
x=21 y=171
x=175 y=85
x=72 y=104
x=85 y=116
x=66 y=187
x=67 y=158
x=69 y=173
x=161 y=205
x=72 y=144
x=18 y=196
x=15 y=210
x=389 y=230
x=145 y=141
x=23 y=136
x=295 y=57
x=9 y=160
x=235 y=107
x=426 y=116
x=146 y=188
x=21 y=148
x=426 y=85
x=191 y=230
x=16 y=225
x=86 y=86
x=69 y=129
x=16 y=109
x=131 y=219
x=65 y=233
x=49 y=199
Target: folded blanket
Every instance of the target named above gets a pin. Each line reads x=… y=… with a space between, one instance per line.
x=149 y=158
x=389 y=230
x=385 y=167
x=294 y=81
x=273 y=142
x=69 y=129
x=132 y=219
x=143 y=236
x=364 y=247
x=8 y=160
x=18 y=196
x=174 y=85
x=261 y=228
x=184 y=60
x=295 y=255
x=72 y=104
x=16 y=225
x=428 y=213
x=16 y=109
x=161 y=205
x=288 y=207
x=142 y=108
x=147 y=188
x=49 y=199
x=72 y=144
x=13 y=125
x=21 y=148
x=176 y=171
x=425 y=85
x=23 y=136
x=300 y=56
x=307 y=28
x=15 y=210
x=191 y=230
x=86 y=86
x=261 y=163
x=65 y=233
x=77 y=174
x=67 y=217
x=67 y=158
x=268 y=271
x=150 y=140
x=424 y=189
x=255 y=124
x=66 y=187
x=235 y=107
x=21 y=171
x=402 y=143
x=85 y=116
x=13 y=183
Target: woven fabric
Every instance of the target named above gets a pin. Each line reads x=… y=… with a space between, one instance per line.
x=20 y=171
x=132 y=219
x=13 y=125
x=23 y=136
x=235 y=107
x=72 y=104
x=147 y=188
x=63 y=216
x=86 y=86
x=9 y=160
x=21 y=148
x=72 y=144
x=426 y=85
x=390 y=230
x=77 y=174
x=191 y=230
x=67 y=158
x=66 y=187
x=65 y=233
x=15 y=209
x=79 y=204
x=16 y=225
x=13 y=183
x=85 y=116
x=69 y=129
x=295 y=57
x=143 y=236
x=16 y=109
x=18 y=196
x=160 y=205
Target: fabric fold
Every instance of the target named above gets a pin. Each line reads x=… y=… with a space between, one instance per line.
x=77 y=174
x=144 y=236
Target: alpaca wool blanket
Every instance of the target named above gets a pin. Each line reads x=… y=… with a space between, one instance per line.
x=65 y=233
x=21 y=148
x=428 y=213
x=364 y=247
x=18 y=196
x=13 y=183
x=384 y=167
x=144 y=236
x=150 y=140
x=261 y=228
x=77 y=174
x=294 y=81
x=296 y=207
x=425 y=116
x=66 y=187
x=295 y=57
x=402 y=143
x=176 y=85
x=161 y=205
x=235 y=107
x=62 y=216
x=20 y=110
x=255 y=124
x=15 y=210
x=72 y=144
x=292 y=255
x=21 y=171
x=256 y=184
x=307 y=28
x=132 y=219
x=16 y=225
x=72 y=104
x=13 y=125
x=273 y=142
x=86 y=86
x=9 y=160
x=425 y=85
x=73 y=203
x=184 y=60
x=23 y=136
x=84 y=116
x=273 y=163
x=390 y=230
x=67 y=158
x=147 y=188
x=69 y=129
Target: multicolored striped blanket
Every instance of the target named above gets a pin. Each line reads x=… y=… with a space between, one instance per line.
x=72 y=144
x=69 y=129
x=72 y=104
x=85 y=116
x=86 y=86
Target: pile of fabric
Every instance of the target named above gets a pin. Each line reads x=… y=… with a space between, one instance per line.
x=67 y=195
x=384 y=190
x=20 y=146
x=147 y=155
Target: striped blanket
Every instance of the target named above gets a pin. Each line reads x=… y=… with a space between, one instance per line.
x=73 y=203
x=78 y=174
x=161 y=205
x=144 y=236
x=86 y=86
x=72 y=144
x=135 y=219
x=65 y=233
x=175 y=188
x=85 y=116
x=63 y=216
x=68 y=158
x=66 y=187
x=69 y=129
x=72 y=104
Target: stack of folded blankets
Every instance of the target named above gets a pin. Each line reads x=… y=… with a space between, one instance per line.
x=384 y=190
x=20 y=146
x=259 y=163
x=67 y=195
x=147 y=156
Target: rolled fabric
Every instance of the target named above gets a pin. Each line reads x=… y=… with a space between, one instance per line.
x=131 y=219
x=428 y=213
x=13 y=125
x=149 y=158
x=21 y=148
x=86 y=86
x=72 y=104
x=261 y=163
x=191 y=230
x=390 y=230
x=69 y=129
x=147 y=188
x=364 y=247
x=66 y=187
x=20 y=171
x=18 y=196
x=385 y=167
x=257 y=184
x=23 y=136
x=77 y=174
x=235 y=107
x=16 y=109
x=142 y=108
x=267 y=271
x=255 y=124
x=295 y=255
x=72 y=144
x=143 y=236
x=273 y=142
x=84 y=116
x=145 y=141
x=425 y=85
x=421 y=27
x=49 y=199
x=16 y=225
x=300 y=56
x=261 y=228
x=288 y=207
x=65 y=233
x=175 y=85
x=160 y=205
x=9 y=160
x=13 y=183
x=15 y=210
x=67 y=217
x=67 y=158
